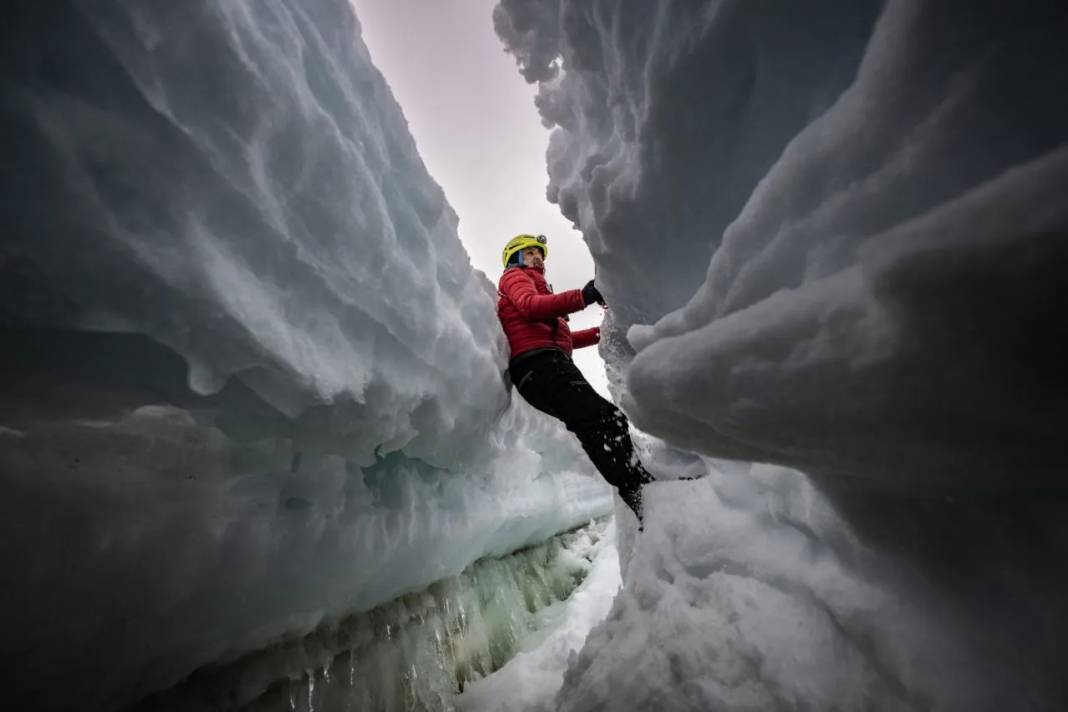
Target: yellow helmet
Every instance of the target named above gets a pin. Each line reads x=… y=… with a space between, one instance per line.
x=522 y=242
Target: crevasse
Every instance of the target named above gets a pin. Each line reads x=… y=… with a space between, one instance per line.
x=251 y=382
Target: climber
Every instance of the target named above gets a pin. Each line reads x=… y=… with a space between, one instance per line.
x=535 y=322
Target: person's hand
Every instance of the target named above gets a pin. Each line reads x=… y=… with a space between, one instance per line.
x=591 y=295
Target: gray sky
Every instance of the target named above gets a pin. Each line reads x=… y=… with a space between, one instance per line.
x=478 y=132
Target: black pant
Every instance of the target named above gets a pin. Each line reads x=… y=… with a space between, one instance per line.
x=551 y=382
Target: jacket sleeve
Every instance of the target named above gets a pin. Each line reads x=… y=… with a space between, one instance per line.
x=519 y=288
x=586 y=337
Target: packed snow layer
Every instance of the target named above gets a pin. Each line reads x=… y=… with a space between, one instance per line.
x=749 y=593
x=250 y=380
x=832 y=240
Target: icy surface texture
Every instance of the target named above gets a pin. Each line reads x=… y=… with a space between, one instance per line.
x=747 y=592
x=846 y=267
x=250 y=380
x=531 y=679
x=832 y=240
x=416 y=652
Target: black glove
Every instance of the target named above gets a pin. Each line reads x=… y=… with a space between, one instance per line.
x=591 y=295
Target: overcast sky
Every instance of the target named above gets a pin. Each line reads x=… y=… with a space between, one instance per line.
x=478 y=132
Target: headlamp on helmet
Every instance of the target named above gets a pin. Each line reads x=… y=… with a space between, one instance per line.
x=521 y=242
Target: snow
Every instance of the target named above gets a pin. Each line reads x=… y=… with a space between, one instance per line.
x=839 y=167
x=833 y=241
x=530 y=680
x=251 y=382
x=774 y=606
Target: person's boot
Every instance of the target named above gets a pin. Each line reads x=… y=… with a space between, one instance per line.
x=632 y=497
x=631 y=493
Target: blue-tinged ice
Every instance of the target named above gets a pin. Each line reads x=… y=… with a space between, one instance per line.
x=251 y=381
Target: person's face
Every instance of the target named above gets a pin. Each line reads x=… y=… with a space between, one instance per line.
x=532 y=257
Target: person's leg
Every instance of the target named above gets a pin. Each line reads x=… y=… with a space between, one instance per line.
x=606 y=439
x=554 y=385
x=538 y=380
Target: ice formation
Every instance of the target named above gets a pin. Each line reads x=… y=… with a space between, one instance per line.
x=252 y=385
x=251 y=382
x=417 y=651
x=851 y=242
x=530 y=680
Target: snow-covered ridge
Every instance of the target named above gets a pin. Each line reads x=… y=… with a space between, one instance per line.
x=831 y=239
x=251 y=381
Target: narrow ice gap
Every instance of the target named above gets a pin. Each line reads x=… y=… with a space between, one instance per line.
x=258 y=447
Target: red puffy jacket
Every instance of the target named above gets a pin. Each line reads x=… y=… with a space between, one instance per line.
x=535 y=318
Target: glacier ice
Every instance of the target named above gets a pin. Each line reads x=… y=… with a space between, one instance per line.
x=251 y=382
x=417 y=651
x=530 y=680
x=851 y=243
x=253 y=386
x=783 y=162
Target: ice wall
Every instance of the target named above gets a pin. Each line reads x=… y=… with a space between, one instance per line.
x=833 y=240
x=419 y=651
x=250 y=380
x=810 y=201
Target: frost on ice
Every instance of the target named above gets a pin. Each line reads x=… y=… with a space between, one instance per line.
x=832 y=240
x=251 y=380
